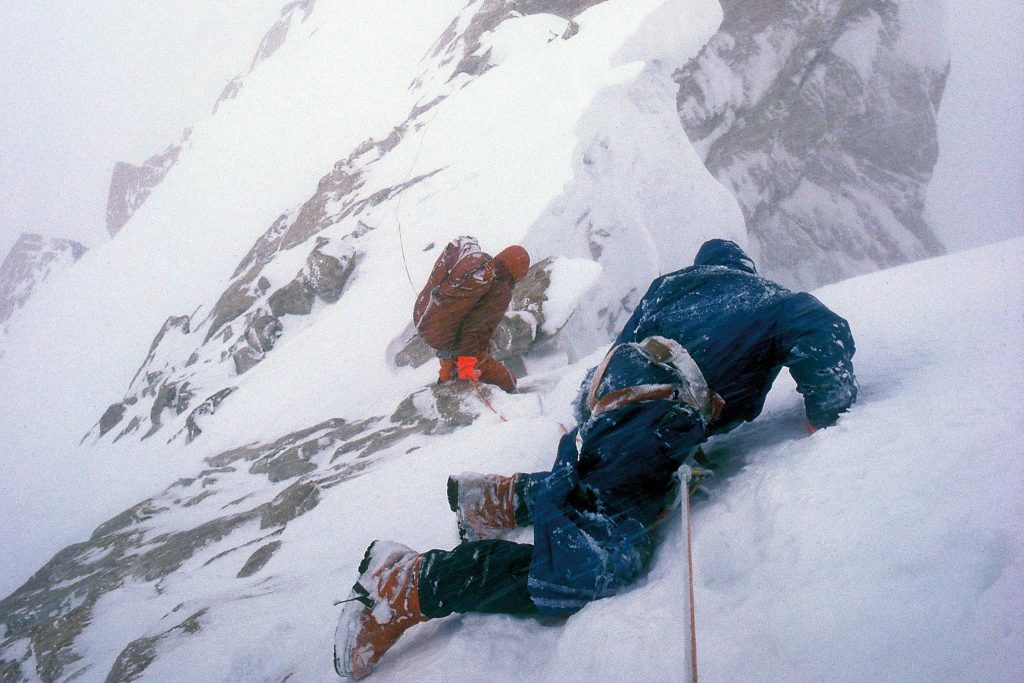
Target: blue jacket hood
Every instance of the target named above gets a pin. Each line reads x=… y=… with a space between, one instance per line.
x=724 y=253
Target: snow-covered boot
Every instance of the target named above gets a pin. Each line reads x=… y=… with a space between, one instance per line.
x=384 y=602
x=485 y=504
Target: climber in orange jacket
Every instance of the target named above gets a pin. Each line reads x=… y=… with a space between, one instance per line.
x=460 y=306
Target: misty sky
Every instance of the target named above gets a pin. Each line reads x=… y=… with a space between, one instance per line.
x=87 y=83
x=976 y=194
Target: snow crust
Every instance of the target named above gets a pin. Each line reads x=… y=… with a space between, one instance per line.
x=570 y=279
x=887 y=547
x=859 y=44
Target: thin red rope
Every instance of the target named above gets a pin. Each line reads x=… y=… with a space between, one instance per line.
x=483 y=399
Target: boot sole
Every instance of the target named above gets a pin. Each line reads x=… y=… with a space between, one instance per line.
x=465 y=533
x=359 y=600
x=345 y=633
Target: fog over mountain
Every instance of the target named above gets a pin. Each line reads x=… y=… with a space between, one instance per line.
x=88 y=83
x=214 y=398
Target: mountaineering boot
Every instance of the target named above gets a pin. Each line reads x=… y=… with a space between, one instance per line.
x=493 y=372
x=384 y=602
x=446 y=373
x=484 y=504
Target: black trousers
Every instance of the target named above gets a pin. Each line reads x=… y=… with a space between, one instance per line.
x=479 y=576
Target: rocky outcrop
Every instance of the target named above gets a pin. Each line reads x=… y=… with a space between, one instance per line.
x=245 y=323
x=302 y=258
x=823 y=124
x=227 y=521
x=465 y=46
x=130 y=185
x=32 y=259
x=272 y=41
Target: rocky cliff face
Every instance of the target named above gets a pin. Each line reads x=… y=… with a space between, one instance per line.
x=32 y=259
x=822 y=122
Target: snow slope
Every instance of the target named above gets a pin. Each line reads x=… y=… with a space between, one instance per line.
x=887 y=547
x=582 y=180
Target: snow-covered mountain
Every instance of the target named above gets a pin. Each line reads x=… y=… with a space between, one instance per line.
x=32 y=259
x=238 y=358
x=821 y=118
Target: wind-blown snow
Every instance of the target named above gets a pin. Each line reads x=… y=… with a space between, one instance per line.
x=570 y=279
x=841 y=555
x=885 y=548
x=976 y=194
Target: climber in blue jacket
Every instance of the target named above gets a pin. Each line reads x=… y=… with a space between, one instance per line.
x=696 y=358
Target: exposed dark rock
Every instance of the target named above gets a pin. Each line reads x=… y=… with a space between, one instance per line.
x=273 y=40
x=133 y=426
x=207 y=407
x=487 y=18
x=294 y=501
x=329 y=267
x=265 y=246
x=530 y=294
x=259 y=559
x=230 y=92
x=239 y=297
x=440 y=408
x=512 y=338
x=313 y=217
x=254 y=345
x=139 y=654
x=307 y=443
x=328 y=274
x=171 y=396
x=380 y=440
x=111 y=417
x=415 y=352
x=285 y=465
x=259 y=338
x=53 y=607
x=292 y=299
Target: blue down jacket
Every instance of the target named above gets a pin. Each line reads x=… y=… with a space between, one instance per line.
x=594 y=511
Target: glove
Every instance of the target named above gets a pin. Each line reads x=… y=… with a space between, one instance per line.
x=467 y=368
